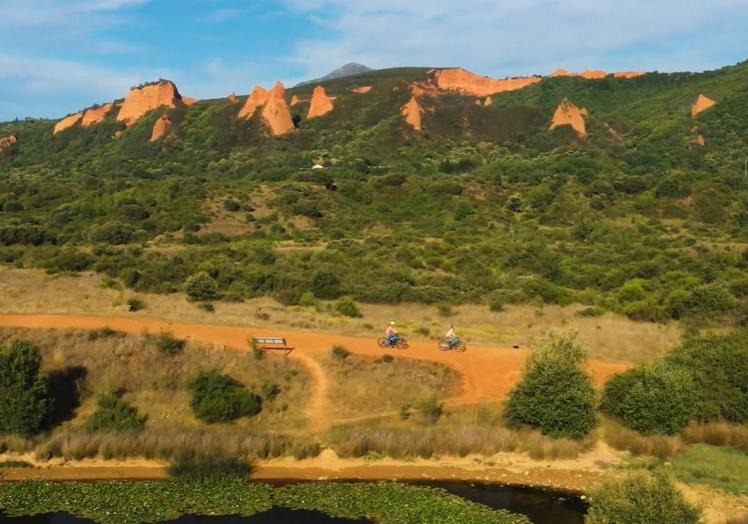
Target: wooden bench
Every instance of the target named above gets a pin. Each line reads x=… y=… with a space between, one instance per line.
x=271 y=344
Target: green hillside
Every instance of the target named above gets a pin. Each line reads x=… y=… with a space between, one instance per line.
x=484 y=205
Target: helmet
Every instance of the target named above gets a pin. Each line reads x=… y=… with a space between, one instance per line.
x=392 y=322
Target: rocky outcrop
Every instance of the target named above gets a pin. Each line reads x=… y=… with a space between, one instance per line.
x=628 y=74
x=294 y=101
x=189 y=101
x=95 y=116
x=276 y=112
x=258 y=98
x=412 y=113
x=468 y=83
x=701 y=104
x=361 y=90
x=488 y=102
x=143 y=100
x=567 y=114
x=594 y=75
x=67 y=122
x=232 y=98
x=160 y=128
x=424 y=89
x=321 y=103
x=7 y=142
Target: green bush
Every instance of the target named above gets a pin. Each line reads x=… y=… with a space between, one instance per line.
x=719 y=367
x=220 y=398
x=348 y=308
x=113 y=233
x=652 y=399
x=115 y=414
x=135 y=304
x=555 y=394
x=24 y=397
x=340 y=353
x=325 y=285
x=430 y=409
x=640 y=497
x=167 y=344
x=201 y=287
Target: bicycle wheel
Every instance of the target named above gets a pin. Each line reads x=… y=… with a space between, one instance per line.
x=382 y=343
x=402 y=344
x=444 y=346
x=461 y=347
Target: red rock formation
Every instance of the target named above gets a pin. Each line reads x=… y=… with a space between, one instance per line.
x=232 y=98
x=628 y=74
x=160 y=128
x=189 y=101
x=6 y=142
x=488 y=102
x=361 y=90
x=702 y=103
x=67 y=122
x=258 y=98
x=563 y=72
x=276 y=112
x=117 y=134
x=468 y=83
x=94 y=116
x=424 y=89
x=142 y=100
x=321 y=103
x=412 y=113
x=594 y=75
x=567 y=114
x=294 y=101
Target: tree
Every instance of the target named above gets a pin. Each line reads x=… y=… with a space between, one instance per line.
x=201 y=287
x=555 y=394
x=24 y=398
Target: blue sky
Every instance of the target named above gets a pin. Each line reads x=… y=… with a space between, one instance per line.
x=58 y=56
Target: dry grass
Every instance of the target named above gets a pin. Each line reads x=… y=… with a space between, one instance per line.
x=624 y=439
x=460 y=432
x=718 y=434
x=361 y=386
x=155 y=383
x=608 y=337
x=166 y=444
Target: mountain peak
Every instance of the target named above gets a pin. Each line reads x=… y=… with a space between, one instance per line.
x=349 y=69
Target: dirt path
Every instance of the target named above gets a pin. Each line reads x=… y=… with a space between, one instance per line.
x=488 y=372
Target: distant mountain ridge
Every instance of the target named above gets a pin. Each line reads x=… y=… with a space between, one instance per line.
x=349 y=69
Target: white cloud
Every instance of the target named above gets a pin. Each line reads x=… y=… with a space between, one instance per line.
x=521 y=37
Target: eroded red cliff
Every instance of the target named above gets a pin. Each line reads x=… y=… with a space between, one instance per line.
x=567 y=114
x=95 y=116
x=67 y=122
x=161 y=128
x=321 y=103
x=143 y=100
x=701 y=104
x=412 y=113
x=468 y=83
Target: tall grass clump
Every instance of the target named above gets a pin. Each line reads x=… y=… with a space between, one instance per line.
x=214 y=465
x=115 y=414
x=555 y=394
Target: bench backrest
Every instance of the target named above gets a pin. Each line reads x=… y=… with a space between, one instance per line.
x=270 y=340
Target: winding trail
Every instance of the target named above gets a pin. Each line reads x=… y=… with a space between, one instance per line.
x=489 y=372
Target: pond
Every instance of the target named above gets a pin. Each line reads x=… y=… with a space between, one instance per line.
x=542 y=507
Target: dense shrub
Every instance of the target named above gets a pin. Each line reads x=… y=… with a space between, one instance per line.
x=24 y=399
x=640 y=497
x=719 y=367
x=325 y=285
x=348 y=308
x=555 y=394
x=201 y=287
x=167 y=344
x=220 y=398
x=660 y=398
x=115 y=414
x=340 y=353
x=113 y=233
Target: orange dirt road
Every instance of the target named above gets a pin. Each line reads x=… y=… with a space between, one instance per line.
x=488 y=372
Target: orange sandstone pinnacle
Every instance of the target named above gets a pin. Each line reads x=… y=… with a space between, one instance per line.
x=160 y=128
x=143 y=100
x=67 y=122
x=276 y=112
x=321 y=103
x=412 y=113
x=701 y=104
x=567 y=114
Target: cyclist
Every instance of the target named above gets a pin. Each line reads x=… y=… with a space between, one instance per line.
x=391 y=334
x=451 y=337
